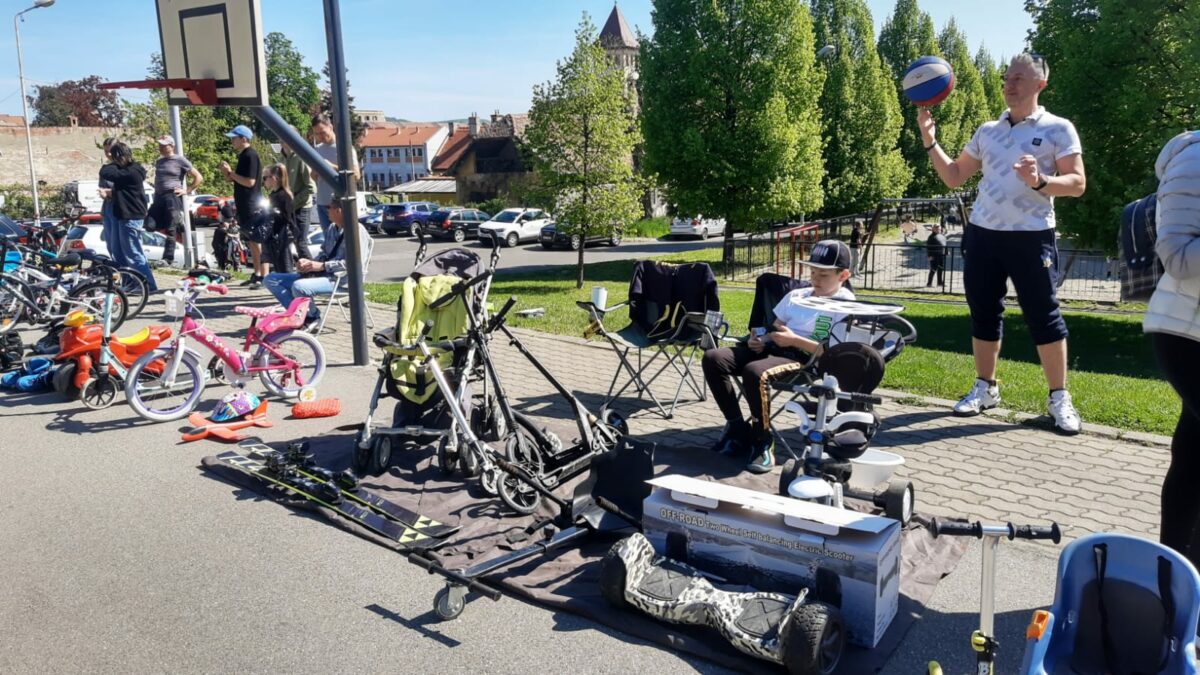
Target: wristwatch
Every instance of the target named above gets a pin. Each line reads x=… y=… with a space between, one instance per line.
x=1041 y=184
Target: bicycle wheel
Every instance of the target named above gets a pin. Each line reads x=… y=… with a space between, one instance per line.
x=136 y=290
x=301 y=348
x=13 y=294
x=89 y=296
x=154 y=399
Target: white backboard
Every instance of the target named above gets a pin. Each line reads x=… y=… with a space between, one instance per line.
x=215 y=39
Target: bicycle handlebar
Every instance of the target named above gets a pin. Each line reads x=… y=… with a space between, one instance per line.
x=820 y=390
x=977 y=529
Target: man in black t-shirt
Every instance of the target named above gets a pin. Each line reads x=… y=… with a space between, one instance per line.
x=247 y=197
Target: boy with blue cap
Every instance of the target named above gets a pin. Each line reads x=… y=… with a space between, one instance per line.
x=247 y=197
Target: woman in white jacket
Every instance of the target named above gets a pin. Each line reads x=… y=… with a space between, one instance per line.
x=1173 y=323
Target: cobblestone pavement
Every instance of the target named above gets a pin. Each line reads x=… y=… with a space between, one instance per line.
x=984 y=467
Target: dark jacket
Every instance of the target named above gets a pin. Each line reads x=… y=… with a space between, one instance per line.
x=128 y=190
x=282 y=224
x=935 y=245
x=661 y=293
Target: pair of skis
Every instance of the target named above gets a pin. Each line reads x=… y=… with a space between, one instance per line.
x=294 y=472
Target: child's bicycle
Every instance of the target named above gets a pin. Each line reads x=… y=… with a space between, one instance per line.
x=288 y=361
x=983 y=641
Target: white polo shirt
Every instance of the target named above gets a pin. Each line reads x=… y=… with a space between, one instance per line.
x=1005 y=202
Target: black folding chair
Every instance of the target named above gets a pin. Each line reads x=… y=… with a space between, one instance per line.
x=673 y=310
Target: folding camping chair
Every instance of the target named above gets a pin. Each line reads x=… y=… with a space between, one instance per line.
x=341 y=292
x=673 y=310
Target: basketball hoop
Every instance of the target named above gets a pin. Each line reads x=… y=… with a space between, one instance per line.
x=198 y=92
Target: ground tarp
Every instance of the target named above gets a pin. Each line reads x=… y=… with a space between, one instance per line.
x=568 y=579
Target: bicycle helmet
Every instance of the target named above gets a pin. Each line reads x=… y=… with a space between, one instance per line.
x=234 y=405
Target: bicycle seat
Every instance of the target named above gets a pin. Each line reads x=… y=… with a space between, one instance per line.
x=291 y=318
x=258 y=312
x=68 y=260
x=133 y=340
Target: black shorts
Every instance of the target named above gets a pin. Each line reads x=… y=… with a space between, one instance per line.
x=258 y=230
x=1030 y=260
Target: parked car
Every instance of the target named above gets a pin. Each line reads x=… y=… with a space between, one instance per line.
x=372 y=218
x=551 y=237
x=697 y=226
x=456 y=223
x=209 y=212
x=81 y=237
x=405 y=217
x=513 y=226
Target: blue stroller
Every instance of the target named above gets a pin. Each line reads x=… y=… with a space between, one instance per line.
x=1124 y=605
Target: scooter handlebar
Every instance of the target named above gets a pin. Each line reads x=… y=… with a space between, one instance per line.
x=865 y=398
x=962 y=528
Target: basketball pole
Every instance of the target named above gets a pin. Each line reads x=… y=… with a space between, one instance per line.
x=349 y=186
x=189 y=253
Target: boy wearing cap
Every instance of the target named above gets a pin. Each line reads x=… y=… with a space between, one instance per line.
x=252 y=217
x=787 y=346
x=171 y=172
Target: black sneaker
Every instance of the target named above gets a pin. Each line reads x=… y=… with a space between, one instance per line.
x=251 y=281
x=762 y=452
x=734 y=439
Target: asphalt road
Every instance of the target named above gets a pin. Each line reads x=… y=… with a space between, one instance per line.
x=393 y=256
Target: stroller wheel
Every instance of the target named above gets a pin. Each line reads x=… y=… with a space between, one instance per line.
x=448 y=605
x=447 y=456
x=615 y=420
x=361 y=456
x=380 y=455
x=468 y=463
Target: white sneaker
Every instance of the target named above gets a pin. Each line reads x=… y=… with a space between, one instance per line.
x=1062 y=411
x=981 y=397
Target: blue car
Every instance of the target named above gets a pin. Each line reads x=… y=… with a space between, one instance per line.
x=406 y=217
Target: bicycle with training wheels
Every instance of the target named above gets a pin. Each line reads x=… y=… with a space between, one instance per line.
x=288 y=361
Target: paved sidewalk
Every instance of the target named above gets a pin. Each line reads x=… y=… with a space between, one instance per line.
x=984 y=467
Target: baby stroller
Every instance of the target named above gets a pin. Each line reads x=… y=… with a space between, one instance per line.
x=1123 y=605
x=420 y=413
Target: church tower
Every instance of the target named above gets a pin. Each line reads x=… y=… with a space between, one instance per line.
x=622 y=47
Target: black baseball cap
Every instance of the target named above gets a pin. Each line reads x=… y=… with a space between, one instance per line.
x=829 y=254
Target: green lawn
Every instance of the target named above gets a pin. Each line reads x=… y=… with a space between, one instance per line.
x=1113 y=377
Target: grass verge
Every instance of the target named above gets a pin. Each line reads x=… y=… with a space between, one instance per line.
x=1114 y=379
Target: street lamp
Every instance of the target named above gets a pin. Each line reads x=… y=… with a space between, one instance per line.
x=37 y=207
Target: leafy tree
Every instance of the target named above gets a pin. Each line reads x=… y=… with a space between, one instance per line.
x=54 y=104
x=907 y=35
x=993 y=81
x=861 y=113
x=729 y=108
x=581 y=136
x=1128 y=76
x=967 y=107
x=293 y=86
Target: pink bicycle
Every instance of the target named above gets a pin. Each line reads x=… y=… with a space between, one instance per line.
x=285 y=359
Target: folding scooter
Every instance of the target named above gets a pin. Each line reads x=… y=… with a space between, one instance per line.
x=983 y=641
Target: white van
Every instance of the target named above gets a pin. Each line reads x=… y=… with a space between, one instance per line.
x=87 y=194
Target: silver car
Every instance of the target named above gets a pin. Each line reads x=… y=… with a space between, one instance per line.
x=698 y=226
x=91 y=236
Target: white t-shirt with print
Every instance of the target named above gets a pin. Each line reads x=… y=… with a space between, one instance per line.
x=1005 y=202
x=808 y=322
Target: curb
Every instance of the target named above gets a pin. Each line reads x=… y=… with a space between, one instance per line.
x=906 y=398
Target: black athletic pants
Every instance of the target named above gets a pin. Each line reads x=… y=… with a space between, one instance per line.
x=1177 y=358
x=755 y=372
x=167 y=213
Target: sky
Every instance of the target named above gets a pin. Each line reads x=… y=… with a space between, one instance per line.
x=415 y=60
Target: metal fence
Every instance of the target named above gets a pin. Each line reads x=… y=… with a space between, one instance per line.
x=1083 y=275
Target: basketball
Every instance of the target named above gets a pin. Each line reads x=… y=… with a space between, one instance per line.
x=928 y=81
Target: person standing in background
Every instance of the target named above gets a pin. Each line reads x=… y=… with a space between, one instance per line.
x=283 y=224
x=108 y=222
x=171 y=172
x=935 y=249
x=253 y=219
x=300 y=182
x=128 y=195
